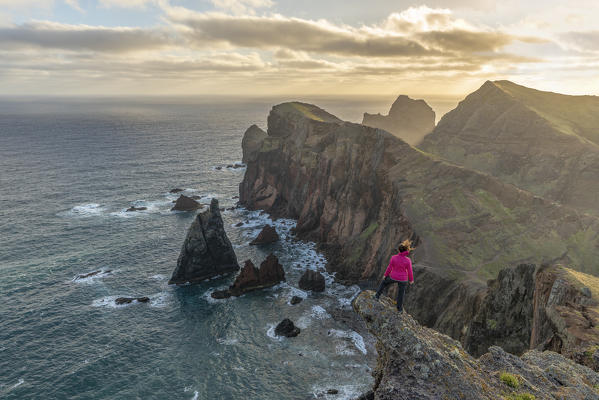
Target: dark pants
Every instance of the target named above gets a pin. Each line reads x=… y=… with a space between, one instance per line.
x=401 y=289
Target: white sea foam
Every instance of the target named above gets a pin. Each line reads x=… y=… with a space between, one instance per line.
x=160 y=300
x=158 y=277
x=196 y=395
x=355 y=337
x=270 y=332
x=319 y=313
x=86 y=210
x=16 y=385
x=227 y=341
x=104 y=272
x=346 y=392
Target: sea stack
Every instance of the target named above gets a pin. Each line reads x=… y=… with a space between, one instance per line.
x=207 y=251
x=267 y=235
x=408 y=119
x=185 y=203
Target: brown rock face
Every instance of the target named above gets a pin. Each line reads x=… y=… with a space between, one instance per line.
x=543 y=142
x=312 y=280
x=267 y=235
x=185 y=203
x=251 y=278
x=408 y=119
x=359 y=191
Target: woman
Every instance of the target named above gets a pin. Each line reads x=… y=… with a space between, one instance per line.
x=400 y=271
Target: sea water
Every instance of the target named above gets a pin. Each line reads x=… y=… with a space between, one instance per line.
x=69 y=169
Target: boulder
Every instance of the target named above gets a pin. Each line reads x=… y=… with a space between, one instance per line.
x=312 y=280
x=185 y=203
x=267 y=235
x=133 y=208
x=287 y=328
x=295 y=300
x=177 y=190
x=128 y=300
x=251 y=278
x=207 y=251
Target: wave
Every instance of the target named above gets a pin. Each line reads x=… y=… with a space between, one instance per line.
x=355 y=337
x=86 y=210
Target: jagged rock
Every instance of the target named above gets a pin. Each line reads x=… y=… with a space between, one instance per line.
x=207 y=251
x=295 y=300
x=267 y=235
x=287 y=328
x=408 y=119
x=133 y=208
x=415 y=362
x=128 y=300
x=251 y=278
x=177 y=190
x=513 y=132
x=312 y=280
x=185 y=203
x=239 y=224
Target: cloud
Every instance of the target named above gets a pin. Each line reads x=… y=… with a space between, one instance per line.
x=242 y=6
x=581 y=41
x=416 y=32
x=43 y=34
x=126 y=3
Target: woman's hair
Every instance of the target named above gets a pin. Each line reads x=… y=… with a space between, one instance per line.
x=406 y=245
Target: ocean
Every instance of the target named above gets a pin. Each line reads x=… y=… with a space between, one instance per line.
x=69 y=170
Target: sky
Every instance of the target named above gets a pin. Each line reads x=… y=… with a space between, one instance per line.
x=287 y=47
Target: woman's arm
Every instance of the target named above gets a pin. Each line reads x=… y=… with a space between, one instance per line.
x=388 y=271
x=410 y=273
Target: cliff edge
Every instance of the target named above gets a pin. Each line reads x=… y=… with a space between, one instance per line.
x=419 y=363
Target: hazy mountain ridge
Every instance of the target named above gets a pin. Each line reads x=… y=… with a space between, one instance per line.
x=542 y=142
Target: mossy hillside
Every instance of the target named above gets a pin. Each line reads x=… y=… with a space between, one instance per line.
x=572 y=115
x=306 y=110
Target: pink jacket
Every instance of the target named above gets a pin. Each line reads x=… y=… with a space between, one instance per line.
x=400 y=268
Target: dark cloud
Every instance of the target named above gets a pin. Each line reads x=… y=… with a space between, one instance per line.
x=83 y=38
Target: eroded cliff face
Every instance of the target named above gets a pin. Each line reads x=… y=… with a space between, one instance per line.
x=419 y=363
x=543 y=142
x=358 y=191
x=408 y=119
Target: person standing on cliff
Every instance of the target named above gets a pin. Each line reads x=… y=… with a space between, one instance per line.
x=399 y=271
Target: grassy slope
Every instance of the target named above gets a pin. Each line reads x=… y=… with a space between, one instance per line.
x=572 y=115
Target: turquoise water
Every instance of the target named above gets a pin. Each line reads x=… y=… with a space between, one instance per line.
x=69 y=169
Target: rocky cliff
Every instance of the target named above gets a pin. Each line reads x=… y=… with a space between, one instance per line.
x=408 y=119
x=419 y=363
x=358 y=191
x=543 y=142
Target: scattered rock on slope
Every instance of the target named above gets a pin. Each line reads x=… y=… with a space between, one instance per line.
x=207 y=251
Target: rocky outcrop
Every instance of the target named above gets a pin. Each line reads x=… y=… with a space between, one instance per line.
x=133 y=208
x=546 y=143
x=415 y=362
x=408 y=119
x=251 y=278
x=207 y=251
x=287 y=328
x=185 y=203
x=128 y=300
x=176 y=190
x=267 y=235
x=358 y=191
x=312 y=280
